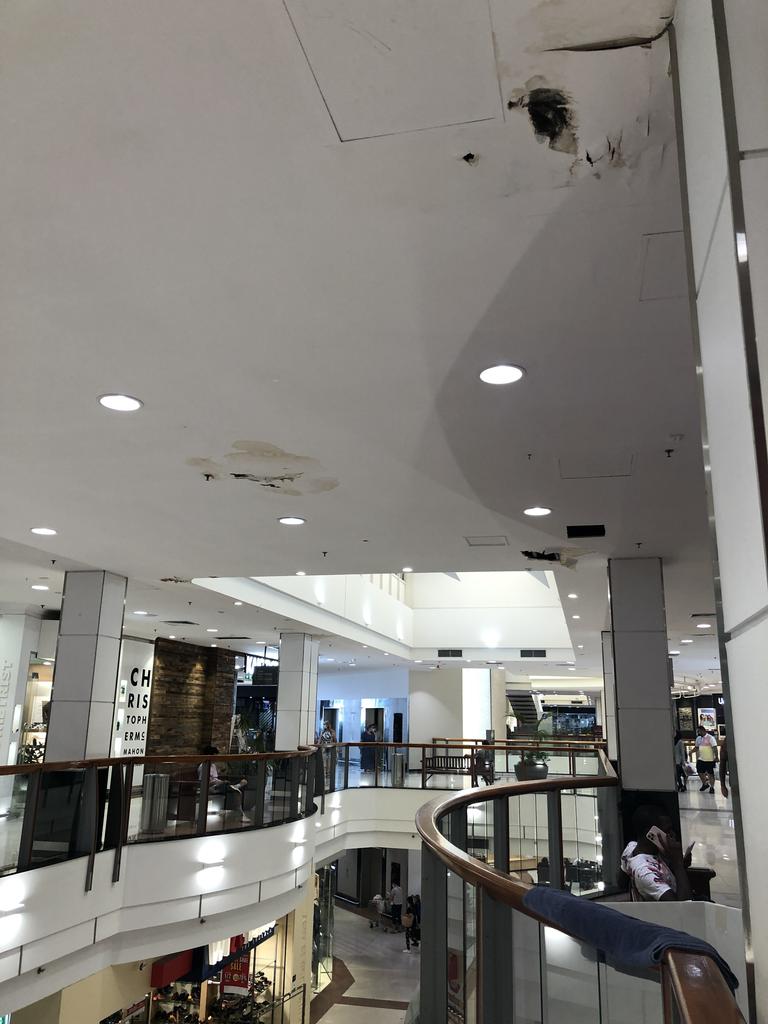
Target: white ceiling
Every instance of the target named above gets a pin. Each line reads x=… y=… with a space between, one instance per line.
x=183 y=222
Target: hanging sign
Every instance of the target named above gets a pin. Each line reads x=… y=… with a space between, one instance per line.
x=236 y=975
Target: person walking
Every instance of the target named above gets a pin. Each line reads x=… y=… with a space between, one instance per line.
x=396 y=903
x=724 y=766
x=408 y=920
x=680 y=776
x=706 y=755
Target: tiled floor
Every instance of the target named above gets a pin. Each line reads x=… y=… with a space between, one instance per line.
x=707 y=820
x=379 y=967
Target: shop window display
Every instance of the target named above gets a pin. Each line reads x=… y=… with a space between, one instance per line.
x=35 y=712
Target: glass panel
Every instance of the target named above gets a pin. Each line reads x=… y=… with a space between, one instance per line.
x=62 y=825
x=582 y=842
x=571 y=981
x=470 y=954
x=628 y=999
x=529 y=855
x=13 y=795
x=527 y=974
x=164 y=801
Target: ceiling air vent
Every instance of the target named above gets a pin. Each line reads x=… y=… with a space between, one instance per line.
x=234 y=638
x=449 y=652
x=532 y=652
x=180 y=622
x=596 y=530
x=499 y=541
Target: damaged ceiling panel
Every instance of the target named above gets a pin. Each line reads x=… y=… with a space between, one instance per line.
x=594 y=25
x=599 y=109
x=401 y=66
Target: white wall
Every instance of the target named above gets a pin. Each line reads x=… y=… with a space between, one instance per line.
x=346 y=685
x=212 y=886
x=19 y=636
x=434 y=707
x=476 y=703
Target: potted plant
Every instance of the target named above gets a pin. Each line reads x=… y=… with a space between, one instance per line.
x=532 y=765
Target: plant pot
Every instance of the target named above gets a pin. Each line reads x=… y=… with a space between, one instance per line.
x=530 y=772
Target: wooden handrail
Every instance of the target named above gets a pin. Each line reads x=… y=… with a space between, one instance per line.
x=694 y=986
x=691 y=983
x=272 y=755
x=500 y=885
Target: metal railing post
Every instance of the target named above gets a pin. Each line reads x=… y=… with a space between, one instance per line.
x=202 y=810
x=90 y=804
x=125 y=808
x=376 y=766
x=346 y=766
x=27 y=840
x=434 y=928
x=501 y=833
x=260 y=793
x=423 y=767
x=294 y=774
x=555 y=832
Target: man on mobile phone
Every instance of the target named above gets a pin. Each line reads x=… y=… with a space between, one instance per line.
x=654 y=859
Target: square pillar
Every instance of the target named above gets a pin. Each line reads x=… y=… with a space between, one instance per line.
x=87 y=661
x=297 y=691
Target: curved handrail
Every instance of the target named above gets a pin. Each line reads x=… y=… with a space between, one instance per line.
x=500 y=885
x=693 y=986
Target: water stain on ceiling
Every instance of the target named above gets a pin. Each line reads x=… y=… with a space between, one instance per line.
x=267 y=466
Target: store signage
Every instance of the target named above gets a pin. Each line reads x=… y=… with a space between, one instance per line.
x=134 y=694
x=240 y=951
x=235 y=975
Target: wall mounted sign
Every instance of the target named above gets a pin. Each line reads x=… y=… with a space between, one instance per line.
x=133 y=697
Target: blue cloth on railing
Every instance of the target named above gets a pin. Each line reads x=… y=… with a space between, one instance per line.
x=622 y=941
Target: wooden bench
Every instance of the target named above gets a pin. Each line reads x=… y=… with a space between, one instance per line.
x=448 y=764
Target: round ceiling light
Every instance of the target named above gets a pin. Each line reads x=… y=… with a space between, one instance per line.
x=172 y=636
x=43 y=531
x=141 y=613
x=407 y=568
x=301 y=573
x=39 y=586
x=291 y=521
x=502 y=374
x=537 y=510
x=120 y=403
x=673 y=654
x=703 y=625
x=575 y=616
x=238 y=603
x=686 y=641
x=212 y=629
x=573 y=596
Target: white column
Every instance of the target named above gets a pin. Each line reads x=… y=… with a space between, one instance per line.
x=642 y=675
x=434 y=707
x=18 y=639
x=499 y=703
x=87 y=659
x=721 y=76
x=609 y=697
x=297 y=691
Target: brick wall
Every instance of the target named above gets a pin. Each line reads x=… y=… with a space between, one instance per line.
x=192 y=694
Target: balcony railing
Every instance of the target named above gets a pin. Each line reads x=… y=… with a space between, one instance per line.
x=496 y=956
x=52 y=812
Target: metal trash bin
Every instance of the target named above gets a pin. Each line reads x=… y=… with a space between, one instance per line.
x=154 y=803
x=398 y=770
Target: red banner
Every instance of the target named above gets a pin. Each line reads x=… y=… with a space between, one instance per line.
x=235 y=976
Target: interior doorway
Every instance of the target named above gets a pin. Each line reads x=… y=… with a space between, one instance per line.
x=375 y=717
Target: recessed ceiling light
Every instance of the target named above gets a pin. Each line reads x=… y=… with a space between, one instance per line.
x=418 y=661
x=407 y=568
x=172 y=636
x=43 y=531
x=385 y=654
x=141 y=613
x=703 y=625
x=291 y=521
x=39 y=586
x=301 y=573
x=503 y=373
x=571 y=669
x=673 y=654
x=573 y=596
x=238 y=603
x=575 y=616
x=537 y=510
x=214 y=645
x=580 y=646
x=686 y=641
x=212 y=629
x=120 y=403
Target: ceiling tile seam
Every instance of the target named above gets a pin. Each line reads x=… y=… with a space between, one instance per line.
x=312 y=71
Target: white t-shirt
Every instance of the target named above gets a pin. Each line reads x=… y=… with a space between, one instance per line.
x=396 y=896
x=650 y=876
x=705 y=747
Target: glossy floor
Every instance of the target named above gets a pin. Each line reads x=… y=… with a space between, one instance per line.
x=707 y=820
x=382 y=973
